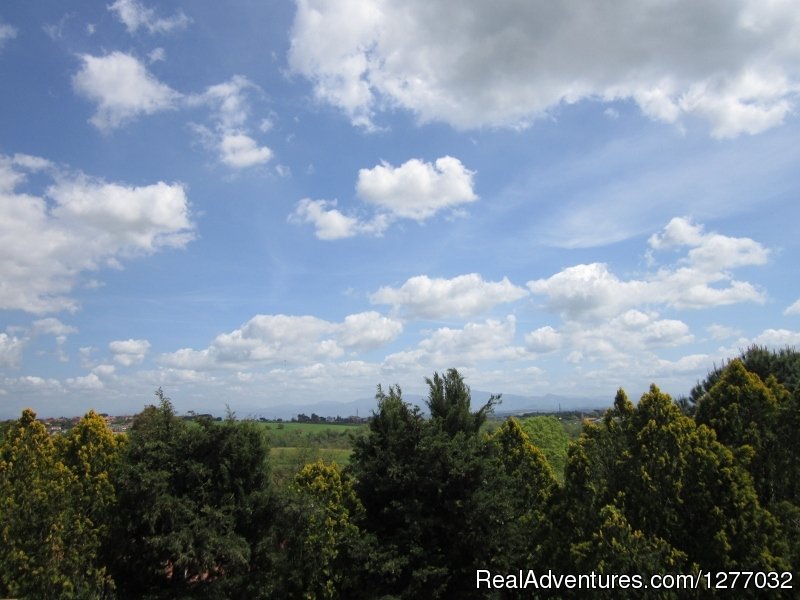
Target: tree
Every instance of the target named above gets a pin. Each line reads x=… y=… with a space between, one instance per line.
x=90 y=451
x=783 y=364
x=385 y=465
x=326 y=560
x=434 y=491
x=521 y=488
x=449 y=403
x=743 y=411
x=48 y=540
x=193 y=502
x=673 y=488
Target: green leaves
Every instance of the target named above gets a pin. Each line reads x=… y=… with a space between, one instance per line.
x=193 y=502
x=665 y=484
x=55 y=500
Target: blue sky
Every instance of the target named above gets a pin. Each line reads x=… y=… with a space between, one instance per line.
x=265 y=203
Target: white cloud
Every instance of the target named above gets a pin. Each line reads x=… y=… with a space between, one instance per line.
x=229 y=100
x=331 y=224
x=97 y=379
x=240 y=151
x=129 y=352
x=492 y=340
x=123 y=219
x=793 y=309
x=542 y=340
x=464 y=295
x=31 y=163
x=156 y=55
x=10 y=350
x=7 y=32
x=472 y=63
x=625 y=339
x=416 y=189
x=592 y=290
x=777 y=338
x=123 y=89
x=488 y=341
x=85 y=382
x=135 y=16
x=691 y=363
x=231 y=112
x=79 y=225
x=368 y=330
x=287 y=340
x=52 y=326
x=710 y=251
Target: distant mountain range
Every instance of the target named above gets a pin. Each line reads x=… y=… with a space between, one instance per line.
x=511 y=404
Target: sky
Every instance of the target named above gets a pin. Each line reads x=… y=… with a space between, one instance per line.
x=252 y=204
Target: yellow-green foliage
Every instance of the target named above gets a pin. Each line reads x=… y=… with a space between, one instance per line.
x=548 y=435
x=330 y=528
x=50 y=496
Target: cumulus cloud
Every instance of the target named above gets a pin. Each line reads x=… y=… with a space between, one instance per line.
x=431 y=298
x=331 y=224
x=492 y=340
x=616 y=341
x=134 y=15
x=701 y=279
x=777 y=338
x=368 y=330
x=239 y=151
x=793 y=309
x=79 y=224
x=473 y=64
x=122 y=88
x=416 y=189
x=542 y=340
x=230 y=112
x=129 y=352
x=98 y=378
x=287 y=340
x=52 y=326
x=709 y=251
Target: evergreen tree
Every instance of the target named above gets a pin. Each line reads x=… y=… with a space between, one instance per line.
x=743 y=411
x=652 y=472
x=193 y=502
x=49 y=540
x=521 y=486
x=428 y=489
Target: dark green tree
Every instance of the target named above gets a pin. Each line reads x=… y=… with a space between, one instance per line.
x=193 y=502
x=521 y=485
x=428 y=489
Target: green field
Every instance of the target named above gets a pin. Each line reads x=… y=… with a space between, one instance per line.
x=293 y=445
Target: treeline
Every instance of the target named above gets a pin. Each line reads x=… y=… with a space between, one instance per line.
x=187 y=509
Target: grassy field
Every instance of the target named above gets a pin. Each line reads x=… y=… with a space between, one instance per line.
x=296 y=444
